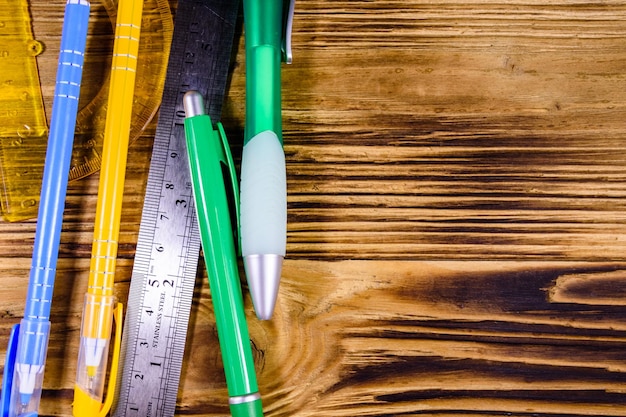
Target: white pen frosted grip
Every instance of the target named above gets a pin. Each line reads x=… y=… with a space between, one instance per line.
x=263 y=196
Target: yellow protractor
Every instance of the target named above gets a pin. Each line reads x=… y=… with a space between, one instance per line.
x=154 y=46
x=22 y=153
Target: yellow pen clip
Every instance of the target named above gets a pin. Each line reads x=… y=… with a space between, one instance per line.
x=83 y=402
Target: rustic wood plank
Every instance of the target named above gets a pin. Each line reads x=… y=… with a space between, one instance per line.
x=388 y=337
x=456 y=216
x=465 y=123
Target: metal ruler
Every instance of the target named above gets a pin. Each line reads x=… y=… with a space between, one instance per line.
x=168 y=247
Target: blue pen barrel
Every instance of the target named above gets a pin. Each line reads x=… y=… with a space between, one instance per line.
x=39 y=296
x=29 y=366
x=61 y=138
x=58 y=158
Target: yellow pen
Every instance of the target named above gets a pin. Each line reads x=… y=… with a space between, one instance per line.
x=99 y=301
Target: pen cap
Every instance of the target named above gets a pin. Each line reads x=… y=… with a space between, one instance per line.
x=94 y=344
x=29 y=367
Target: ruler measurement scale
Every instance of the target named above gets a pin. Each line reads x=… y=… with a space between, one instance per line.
x=168 y=247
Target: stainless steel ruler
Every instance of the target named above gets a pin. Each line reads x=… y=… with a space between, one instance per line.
x=168 y=247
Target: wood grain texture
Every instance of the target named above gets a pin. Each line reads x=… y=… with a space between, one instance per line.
x=457 y=221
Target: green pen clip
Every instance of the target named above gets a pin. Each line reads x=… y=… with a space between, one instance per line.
x=229 y=174
x=289 y=7
x=233 y=191
x=225 y=158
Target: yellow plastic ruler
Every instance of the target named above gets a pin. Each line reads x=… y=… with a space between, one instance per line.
x=21 y=161
x=23 y=126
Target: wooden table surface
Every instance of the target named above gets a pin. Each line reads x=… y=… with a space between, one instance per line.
x=456 y=217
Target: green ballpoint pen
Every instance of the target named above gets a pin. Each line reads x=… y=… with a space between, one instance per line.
x=267 y=26
x=212 y=171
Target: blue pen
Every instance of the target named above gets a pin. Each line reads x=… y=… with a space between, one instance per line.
x=26 y=355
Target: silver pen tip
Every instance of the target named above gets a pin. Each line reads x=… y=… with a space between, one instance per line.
x=263 y=275
x=193 y=103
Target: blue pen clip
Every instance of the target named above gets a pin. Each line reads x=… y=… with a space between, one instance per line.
x=289 y=7
x=9 y=367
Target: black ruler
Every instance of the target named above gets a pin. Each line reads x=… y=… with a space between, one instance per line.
x=168 y=246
